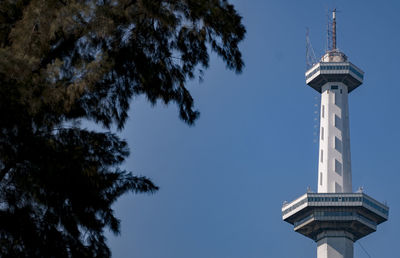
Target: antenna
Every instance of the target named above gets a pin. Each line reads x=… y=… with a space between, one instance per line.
x=334 y=29
x=310 y=54
x=331 y=43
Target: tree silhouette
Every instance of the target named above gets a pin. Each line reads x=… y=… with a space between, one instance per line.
x=67 y=61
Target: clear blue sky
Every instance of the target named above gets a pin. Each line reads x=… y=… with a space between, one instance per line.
x=223 y=181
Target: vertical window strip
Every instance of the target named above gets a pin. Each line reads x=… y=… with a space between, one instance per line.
x=322 y=133
x=322 y=155
x=337 y=99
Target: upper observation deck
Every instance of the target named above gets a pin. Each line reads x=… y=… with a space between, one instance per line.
x=334 y=67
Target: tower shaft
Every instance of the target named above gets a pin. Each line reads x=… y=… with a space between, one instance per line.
x=335 y=244
x=334 y=144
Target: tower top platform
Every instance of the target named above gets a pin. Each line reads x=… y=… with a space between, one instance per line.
x=334 y=67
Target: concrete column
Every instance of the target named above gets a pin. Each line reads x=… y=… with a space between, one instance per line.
x=335 y=244
x=334 y=169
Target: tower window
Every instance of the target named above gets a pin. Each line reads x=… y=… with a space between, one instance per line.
x=338 y=145
x=337 y=98
x=338 y=167
x=337 y=122
x=322 y=133
x=320 y=178
x=323 y=111
x=334 y=87
x=322 y=156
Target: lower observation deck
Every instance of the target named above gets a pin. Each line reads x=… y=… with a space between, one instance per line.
x=355 y=213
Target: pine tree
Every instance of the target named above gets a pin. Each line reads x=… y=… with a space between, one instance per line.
x=67 y=61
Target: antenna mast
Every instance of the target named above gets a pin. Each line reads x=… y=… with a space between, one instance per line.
x=334 y=29
x=310 y=54
x=331 y=42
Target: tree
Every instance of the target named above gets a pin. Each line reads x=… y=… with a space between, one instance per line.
x=67 y=61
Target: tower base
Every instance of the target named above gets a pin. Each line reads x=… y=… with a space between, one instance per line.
x=335 y=220
x=335 y=244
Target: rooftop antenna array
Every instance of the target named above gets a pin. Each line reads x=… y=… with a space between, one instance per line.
x=311 y=59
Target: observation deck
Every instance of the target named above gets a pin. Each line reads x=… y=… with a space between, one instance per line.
x=334 y=68
x=315 y=213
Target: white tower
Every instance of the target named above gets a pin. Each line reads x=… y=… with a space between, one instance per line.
x=335 y=217
x=334 y=156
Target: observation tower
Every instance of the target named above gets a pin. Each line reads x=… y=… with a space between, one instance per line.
x=334 y=217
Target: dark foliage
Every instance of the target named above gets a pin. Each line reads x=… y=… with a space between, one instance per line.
x=63 y=61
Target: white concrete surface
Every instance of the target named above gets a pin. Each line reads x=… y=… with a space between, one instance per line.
x=335 y=244
x=334 y=169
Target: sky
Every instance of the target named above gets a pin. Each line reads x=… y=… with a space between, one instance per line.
x=223 y=181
